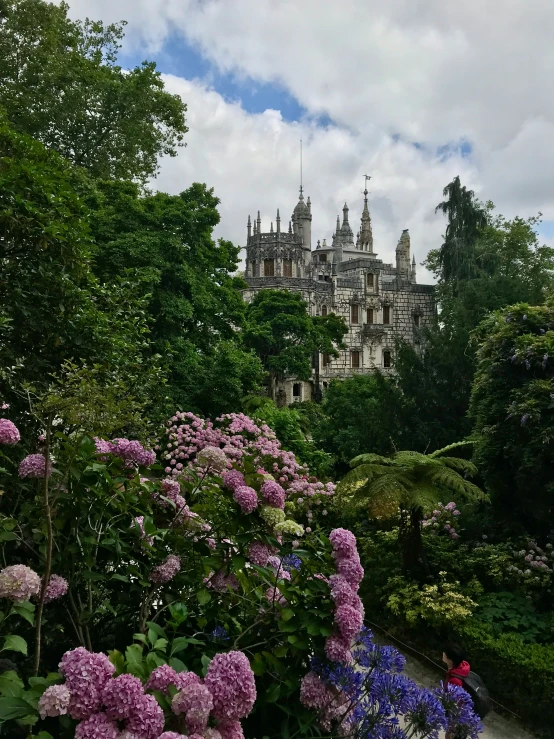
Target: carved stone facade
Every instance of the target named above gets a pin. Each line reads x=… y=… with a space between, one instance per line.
x=379 y=302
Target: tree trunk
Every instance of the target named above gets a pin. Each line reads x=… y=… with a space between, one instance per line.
x=414 y=559
x=317 y=387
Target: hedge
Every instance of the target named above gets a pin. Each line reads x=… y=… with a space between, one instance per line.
x=517 y=674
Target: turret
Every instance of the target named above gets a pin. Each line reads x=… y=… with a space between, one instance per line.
x=302 y=216
x=249 y=227
x=413 y=272
x=259 y=224
x=278 y=221
x=365 y=242
x=403 y=256
x=347 y=235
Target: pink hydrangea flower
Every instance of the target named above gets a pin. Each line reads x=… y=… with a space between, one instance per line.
x=338 y=650
x=211 y=734
x=97 y=726
x=161 y=678
x=212 y=458
x=172 y=735
x=247 y=498
x=233 y=479
x=314 y=693
x=147 y=721
x=221 y=581
x=132 y=453
x=274 y=596
x=167 y=570
x=351 y=570
x=196 y=702
x=121 y=696
x=19 y=583
x=231 y=682
x=258 y=553
x=184 y=679
x=54 y=701
x=349 y=621
x=230 y=729
x=9 y=433
x=86 y=674
x=57 y=586
x=273 y=494
x=34 y=465
x=343 y=542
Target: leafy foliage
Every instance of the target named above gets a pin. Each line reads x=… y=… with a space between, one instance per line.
x=512 y=407
x=60 y=83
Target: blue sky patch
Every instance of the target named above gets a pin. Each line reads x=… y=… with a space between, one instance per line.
x=545 y=230
x=182 y=59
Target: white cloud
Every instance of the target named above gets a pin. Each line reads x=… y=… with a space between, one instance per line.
x=429 y=70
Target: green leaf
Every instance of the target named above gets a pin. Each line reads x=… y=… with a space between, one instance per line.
x=95 y=576
x=287 y=626
x=258 y=665
x=292 y=639
x=141 y=638
x=11 y=685
x=203 y=596
x=313 y=629
x=15 y=644
x=205 y=664
x=121 y=578
x=133 y=657
x=287 y=614
x=7 y=536
x=44 y=735
x=177 y=665
x=118 y=660
x=157 y=628
x=160 y=645
x=11 y=708
x=179 y=644
x=272 y=694
x=25 y=610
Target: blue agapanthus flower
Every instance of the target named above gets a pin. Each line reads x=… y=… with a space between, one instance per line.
x=291 y=562
x=219 y=634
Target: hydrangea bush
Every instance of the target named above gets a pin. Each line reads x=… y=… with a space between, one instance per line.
x=192 y=595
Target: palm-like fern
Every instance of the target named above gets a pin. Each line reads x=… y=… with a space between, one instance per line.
x=406 y=481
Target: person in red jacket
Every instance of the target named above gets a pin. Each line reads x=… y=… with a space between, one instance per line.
x=458 y=667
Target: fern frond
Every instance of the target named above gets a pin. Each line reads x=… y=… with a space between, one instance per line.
x=459 y=464
x=370 y=459
x=450 y=447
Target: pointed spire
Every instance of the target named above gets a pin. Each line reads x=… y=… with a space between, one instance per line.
x=413 y=272
x=278 y=221
x=366 y=234
x=345 y=214
x=249 y=227
x=290 y=227
x=309 y=203
x=338 y=224
x=259 y=223
x=271 y=228
x=318 y=244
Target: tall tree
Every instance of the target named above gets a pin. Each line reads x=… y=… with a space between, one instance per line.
x=512 y=408
x=285 y=337
x=60 y=83
x=165 y=243
x=466 y=217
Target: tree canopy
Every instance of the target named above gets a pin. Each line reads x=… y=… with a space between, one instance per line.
x=60 y=83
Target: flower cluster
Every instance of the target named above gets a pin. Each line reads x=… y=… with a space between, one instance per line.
x=19 y=583
x=532 y=562
x=131 y=452
x=34 y=465
x=212 y=458
x=237 y=436
x=114 y=707
x=9 y=433
x=57 y=586
x=442 y=519
x=246 y=497
x=166 y=571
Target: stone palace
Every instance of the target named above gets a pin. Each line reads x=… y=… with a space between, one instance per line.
x=379 y=302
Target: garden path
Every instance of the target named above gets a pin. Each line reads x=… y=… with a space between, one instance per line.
x=496 y=726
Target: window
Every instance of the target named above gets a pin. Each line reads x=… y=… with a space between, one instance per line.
x=297 y=390
x=416 y=320
x=386 y=314
x=254 y=268
x=370 y=280
x=287 y=267
x=370 y=316
x=353 y=314
x=269 y=268
x=324 y=310
x=325 y=360
x=323 y=257
x=386 y=359
x=355 y=360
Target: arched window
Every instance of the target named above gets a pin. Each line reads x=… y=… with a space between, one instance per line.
x=387 y=359
x=370 y=316
x=269 y=268
x=386 y=315
x=287 y=267
x=370 y=280
x=354 y=313
x=355 y=360
x=416 y=320
x=324 y=310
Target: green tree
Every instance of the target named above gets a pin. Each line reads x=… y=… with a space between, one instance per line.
x=512 y=408
x=54 y=312
x=285 y=337
x=164 y=243
x=408 y=482
x=60 y=83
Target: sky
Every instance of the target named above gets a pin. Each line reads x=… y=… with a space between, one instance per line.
x=411 y=92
